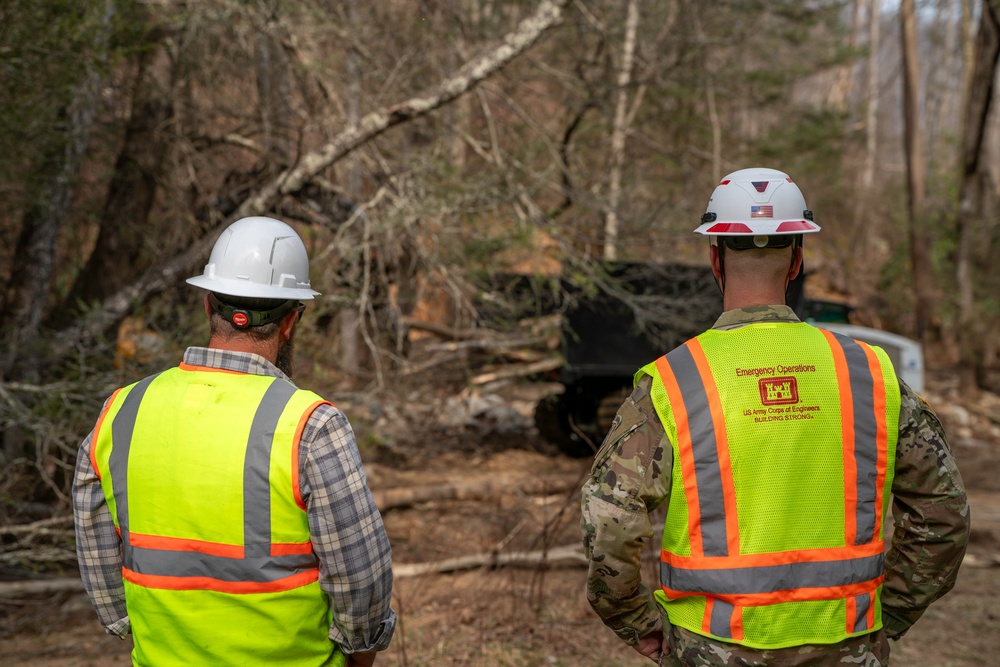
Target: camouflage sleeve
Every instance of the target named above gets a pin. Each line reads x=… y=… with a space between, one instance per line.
x=630 y=478
x=931 y=515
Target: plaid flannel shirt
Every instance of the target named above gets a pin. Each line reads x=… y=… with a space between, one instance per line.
x=346 y=528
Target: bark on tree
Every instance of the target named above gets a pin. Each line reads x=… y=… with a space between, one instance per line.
x=920 y=262
x=122 y=242
x=349 y=318
x=34 y=258
x=716 y=123
x=968 y=41
x=526 y=34
x=979 y=100
x=273 y=91
x=839 y=94
x=714 y=119
x=871 y=113
x=618 y=133
x=859 y=240
x=950 y=79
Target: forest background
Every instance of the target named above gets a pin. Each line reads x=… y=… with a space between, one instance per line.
x=423 y=147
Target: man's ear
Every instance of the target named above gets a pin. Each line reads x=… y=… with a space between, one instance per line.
x=713 y=254
x=208 y=307
x=793 y=270
x=288 y=323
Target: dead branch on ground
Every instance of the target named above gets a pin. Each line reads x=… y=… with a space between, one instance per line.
x=530 y=348
x=476 y=490
x=40 y=543
x=517 y=370
x=570 y=555
x=33 y=587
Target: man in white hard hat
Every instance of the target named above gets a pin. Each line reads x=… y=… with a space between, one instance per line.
x=222 y=514
x=776 y=448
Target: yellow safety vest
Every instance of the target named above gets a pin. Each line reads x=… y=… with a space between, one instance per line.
x=200 y=469
x=783 y=438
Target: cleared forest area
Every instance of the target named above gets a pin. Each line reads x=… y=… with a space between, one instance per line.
x=484 y=516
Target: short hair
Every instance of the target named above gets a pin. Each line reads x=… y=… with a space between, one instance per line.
x=759 y=263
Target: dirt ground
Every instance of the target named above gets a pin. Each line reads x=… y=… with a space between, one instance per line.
x=536 y=615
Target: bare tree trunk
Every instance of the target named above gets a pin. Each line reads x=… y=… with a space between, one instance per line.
x=968 y=40
x=979 y=99
x=349 y=319
x=124 y=222
x=942 y=107
x=871 y=122
x=920 y=264
x=839 y=94
x=273 y=91
x=618 y=132
x=31 y=277
x=713 y=118
x=460 y=112
x=862 y=231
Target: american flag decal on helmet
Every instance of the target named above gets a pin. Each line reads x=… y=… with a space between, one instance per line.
x=761 y=211
x=759 y=186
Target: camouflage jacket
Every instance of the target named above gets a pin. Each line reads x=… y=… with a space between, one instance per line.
x=631 y=478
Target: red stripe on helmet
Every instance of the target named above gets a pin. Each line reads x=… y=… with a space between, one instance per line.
x=729 y=228
x=796 y=226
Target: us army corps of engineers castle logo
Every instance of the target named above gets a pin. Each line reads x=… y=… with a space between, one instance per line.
x=779 y=391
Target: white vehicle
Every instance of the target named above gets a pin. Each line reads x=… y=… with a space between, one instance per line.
x=907 y=355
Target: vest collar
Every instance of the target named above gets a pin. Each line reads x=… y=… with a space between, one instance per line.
x=738 y=317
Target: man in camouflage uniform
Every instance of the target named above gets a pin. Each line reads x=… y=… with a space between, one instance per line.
x=631 y=477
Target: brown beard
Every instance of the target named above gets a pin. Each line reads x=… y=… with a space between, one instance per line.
x=286 y=354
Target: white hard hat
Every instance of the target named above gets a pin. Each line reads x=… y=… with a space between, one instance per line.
x=258 y=257
x=757 y=202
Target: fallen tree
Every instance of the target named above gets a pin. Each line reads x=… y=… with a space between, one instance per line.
x=570 y=555
x=310 y=166
x=405 y=497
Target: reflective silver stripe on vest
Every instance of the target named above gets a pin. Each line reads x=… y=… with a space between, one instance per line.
x=772 y=578
x=260 y=569
x=121 y=440
x=861 y=604
x=720 y=624
x=865 y=437
x=711 y=503
x=258 y=565
x=256 y=470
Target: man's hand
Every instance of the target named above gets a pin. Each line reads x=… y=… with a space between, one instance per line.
x=361 y=659
x=653 y=645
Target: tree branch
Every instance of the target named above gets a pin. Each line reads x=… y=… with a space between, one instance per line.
x=549 y=14
x=570 y=555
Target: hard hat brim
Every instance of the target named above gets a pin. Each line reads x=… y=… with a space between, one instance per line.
x=769 y=227
x=252 y=290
